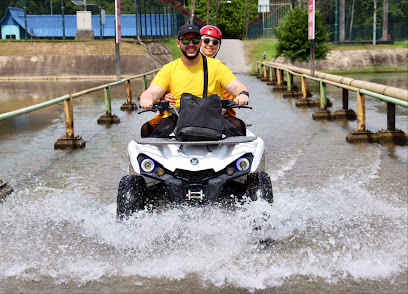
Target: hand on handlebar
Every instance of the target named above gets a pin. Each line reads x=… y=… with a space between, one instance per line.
x=229 y=104
x=241 y=100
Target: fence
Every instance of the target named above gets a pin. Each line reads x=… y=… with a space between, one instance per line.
x=275 y=73
x=70 y=141
x=358 y=19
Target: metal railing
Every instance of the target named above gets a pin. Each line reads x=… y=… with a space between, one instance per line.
x=69 y=141
x=274 y=74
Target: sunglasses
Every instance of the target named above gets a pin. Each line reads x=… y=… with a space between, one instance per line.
x=187 y=41
x=207 y=41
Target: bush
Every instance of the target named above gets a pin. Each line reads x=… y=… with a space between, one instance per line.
x=292 y=36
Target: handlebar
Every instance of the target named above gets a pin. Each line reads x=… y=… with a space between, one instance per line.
x=229 y=104
x=158 y=106
x=162 y=106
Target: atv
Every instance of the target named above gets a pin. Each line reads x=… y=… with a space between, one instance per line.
x=166 y=170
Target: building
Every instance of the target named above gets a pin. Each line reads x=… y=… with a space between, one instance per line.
x=13 y=25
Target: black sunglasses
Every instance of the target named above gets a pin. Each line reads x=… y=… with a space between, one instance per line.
x=207 y=41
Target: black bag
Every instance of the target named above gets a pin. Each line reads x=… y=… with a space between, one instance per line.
x=200 y=119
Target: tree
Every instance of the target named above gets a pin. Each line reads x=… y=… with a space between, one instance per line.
x=292 y=36
x=385 y=20
x=342 y=33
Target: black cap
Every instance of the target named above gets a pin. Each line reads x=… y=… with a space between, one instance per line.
x=188 y=28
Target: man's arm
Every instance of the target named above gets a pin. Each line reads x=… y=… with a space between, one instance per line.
x=235 y=88
x=150 y=95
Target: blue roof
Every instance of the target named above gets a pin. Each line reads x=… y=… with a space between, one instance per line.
x=52 y=25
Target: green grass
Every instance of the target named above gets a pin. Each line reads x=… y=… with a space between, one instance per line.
x=171 y=45
x=377 y=69
x=255 y=49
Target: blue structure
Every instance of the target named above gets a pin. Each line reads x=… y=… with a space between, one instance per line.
x=52 y=26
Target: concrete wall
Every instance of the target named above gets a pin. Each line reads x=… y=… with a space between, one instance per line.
x=48 y=67
x=356 y=60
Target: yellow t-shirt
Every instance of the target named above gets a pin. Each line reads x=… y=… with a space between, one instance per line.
x=176 y=78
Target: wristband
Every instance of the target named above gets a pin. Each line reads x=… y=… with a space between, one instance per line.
x=245 y=93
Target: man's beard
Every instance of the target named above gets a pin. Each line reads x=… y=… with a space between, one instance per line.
x=190 y=57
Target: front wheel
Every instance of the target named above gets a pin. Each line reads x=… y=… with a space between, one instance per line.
x=130 y=196
x=259 y=185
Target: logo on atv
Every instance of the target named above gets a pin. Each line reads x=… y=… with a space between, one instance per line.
x=194 y=161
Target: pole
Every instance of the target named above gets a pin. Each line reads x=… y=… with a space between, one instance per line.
x=374 y=23
x=100 y=20
x=25 y=19
x=336 y=23
x=63 y=19
x=118 y=37
x=137 y=21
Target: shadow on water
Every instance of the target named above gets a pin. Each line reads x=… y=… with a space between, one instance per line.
x=338 y=223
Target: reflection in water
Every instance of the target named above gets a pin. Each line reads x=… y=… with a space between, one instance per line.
x=339 y=220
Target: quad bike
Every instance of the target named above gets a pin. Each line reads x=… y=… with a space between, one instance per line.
x=165 y=170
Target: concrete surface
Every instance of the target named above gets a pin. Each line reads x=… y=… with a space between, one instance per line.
x=80 y=67
x=232 y=55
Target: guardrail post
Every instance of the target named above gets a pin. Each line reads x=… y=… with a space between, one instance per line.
x=345 y=99
x=323 y=96
x=280 y=83
x=361 y=135
x=108 y=118
x=129 y=105
x=69 y=118
x=323 y=112
x=69 y=141
x=264 y=76
x=144 y=83
x=345 y=113
x=304 y=101
x=272 y=76
x=392 y=135
x=291 y=90
x=361 y=120
x=390 y=116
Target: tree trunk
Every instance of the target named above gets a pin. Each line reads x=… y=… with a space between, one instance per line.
x=249 y=15
x=216 y=12
x=208 y=11
x=385 y=21
x=192 y=11
x=351 y=21
x=342 y=33
x=244 y=20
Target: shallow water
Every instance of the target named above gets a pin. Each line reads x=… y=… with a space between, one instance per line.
x=338 y=223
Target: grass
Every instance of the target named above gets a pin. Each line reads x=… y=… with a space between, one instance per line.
x=171 y=45
x=255 y=49
x=375 y=69
x=68 y=47
x=397 y=44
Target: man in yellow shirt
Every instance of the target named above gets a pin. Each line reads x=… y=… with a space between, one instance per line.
x=186 y=75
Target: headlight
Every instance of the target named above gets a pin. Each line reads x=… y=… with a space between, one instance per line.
x=242 y=164
x=147 y=165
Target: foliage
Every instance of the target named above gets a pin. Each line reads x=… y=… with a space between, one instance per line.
x=230 y=15
x=255 y=49
x=359 y=15
x=171 y=45
x=292 y=36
